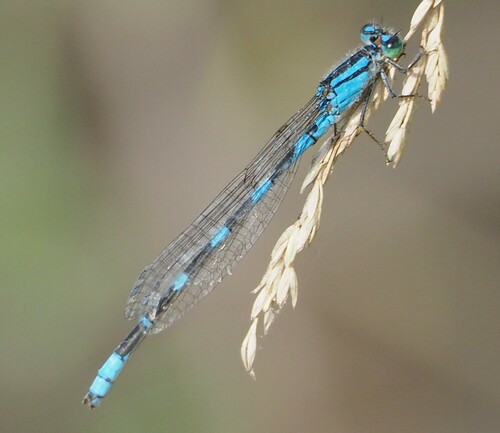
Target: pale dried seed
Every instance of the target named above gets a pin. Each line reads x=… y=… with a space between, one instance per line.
x=249 y=347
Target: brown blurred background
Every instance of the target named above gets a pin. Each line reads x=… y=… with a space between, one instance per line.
x=121 y=120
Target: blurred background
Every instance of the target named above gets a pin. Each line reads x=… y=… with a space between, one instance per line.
x=121 y=120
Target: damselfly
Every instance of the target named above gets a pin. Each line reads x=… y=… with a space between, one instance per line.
x=201 y=256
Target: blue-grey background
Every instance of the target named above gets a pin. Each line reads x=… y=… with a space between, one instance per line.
x=121 y=120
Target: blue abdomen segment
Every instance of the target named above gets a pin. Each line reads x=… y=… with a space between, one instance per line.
x=219 y=237
x=261 y=190
x=303 y=143
x=106 y=375
x=184 y=277
x=322 y=124
x=113 y=366
x=180 y=282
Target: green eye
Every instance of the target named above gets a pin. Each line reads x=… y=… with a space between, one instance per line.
x=392 y=46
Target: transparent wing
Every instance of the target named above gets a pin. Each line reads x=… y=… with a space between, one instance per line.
x=158 y=276
x=219 y=262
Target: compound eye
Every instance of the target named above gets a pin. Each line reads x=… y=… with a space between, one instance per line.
x=392 y=46
x=370 y=33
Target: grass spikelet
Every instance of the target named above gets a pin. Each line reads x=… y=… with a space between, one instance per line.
x=280 y=279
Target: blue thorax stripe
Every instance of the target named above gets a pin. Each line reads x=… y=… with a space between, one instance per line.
x=361 y=63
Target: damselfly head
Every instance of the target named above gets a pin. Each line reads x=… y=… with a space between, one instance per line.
x=390 y=43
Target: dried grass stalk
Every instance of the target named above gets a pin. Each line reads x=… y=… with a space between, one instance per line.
x=435 y=67
x=280 y=279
